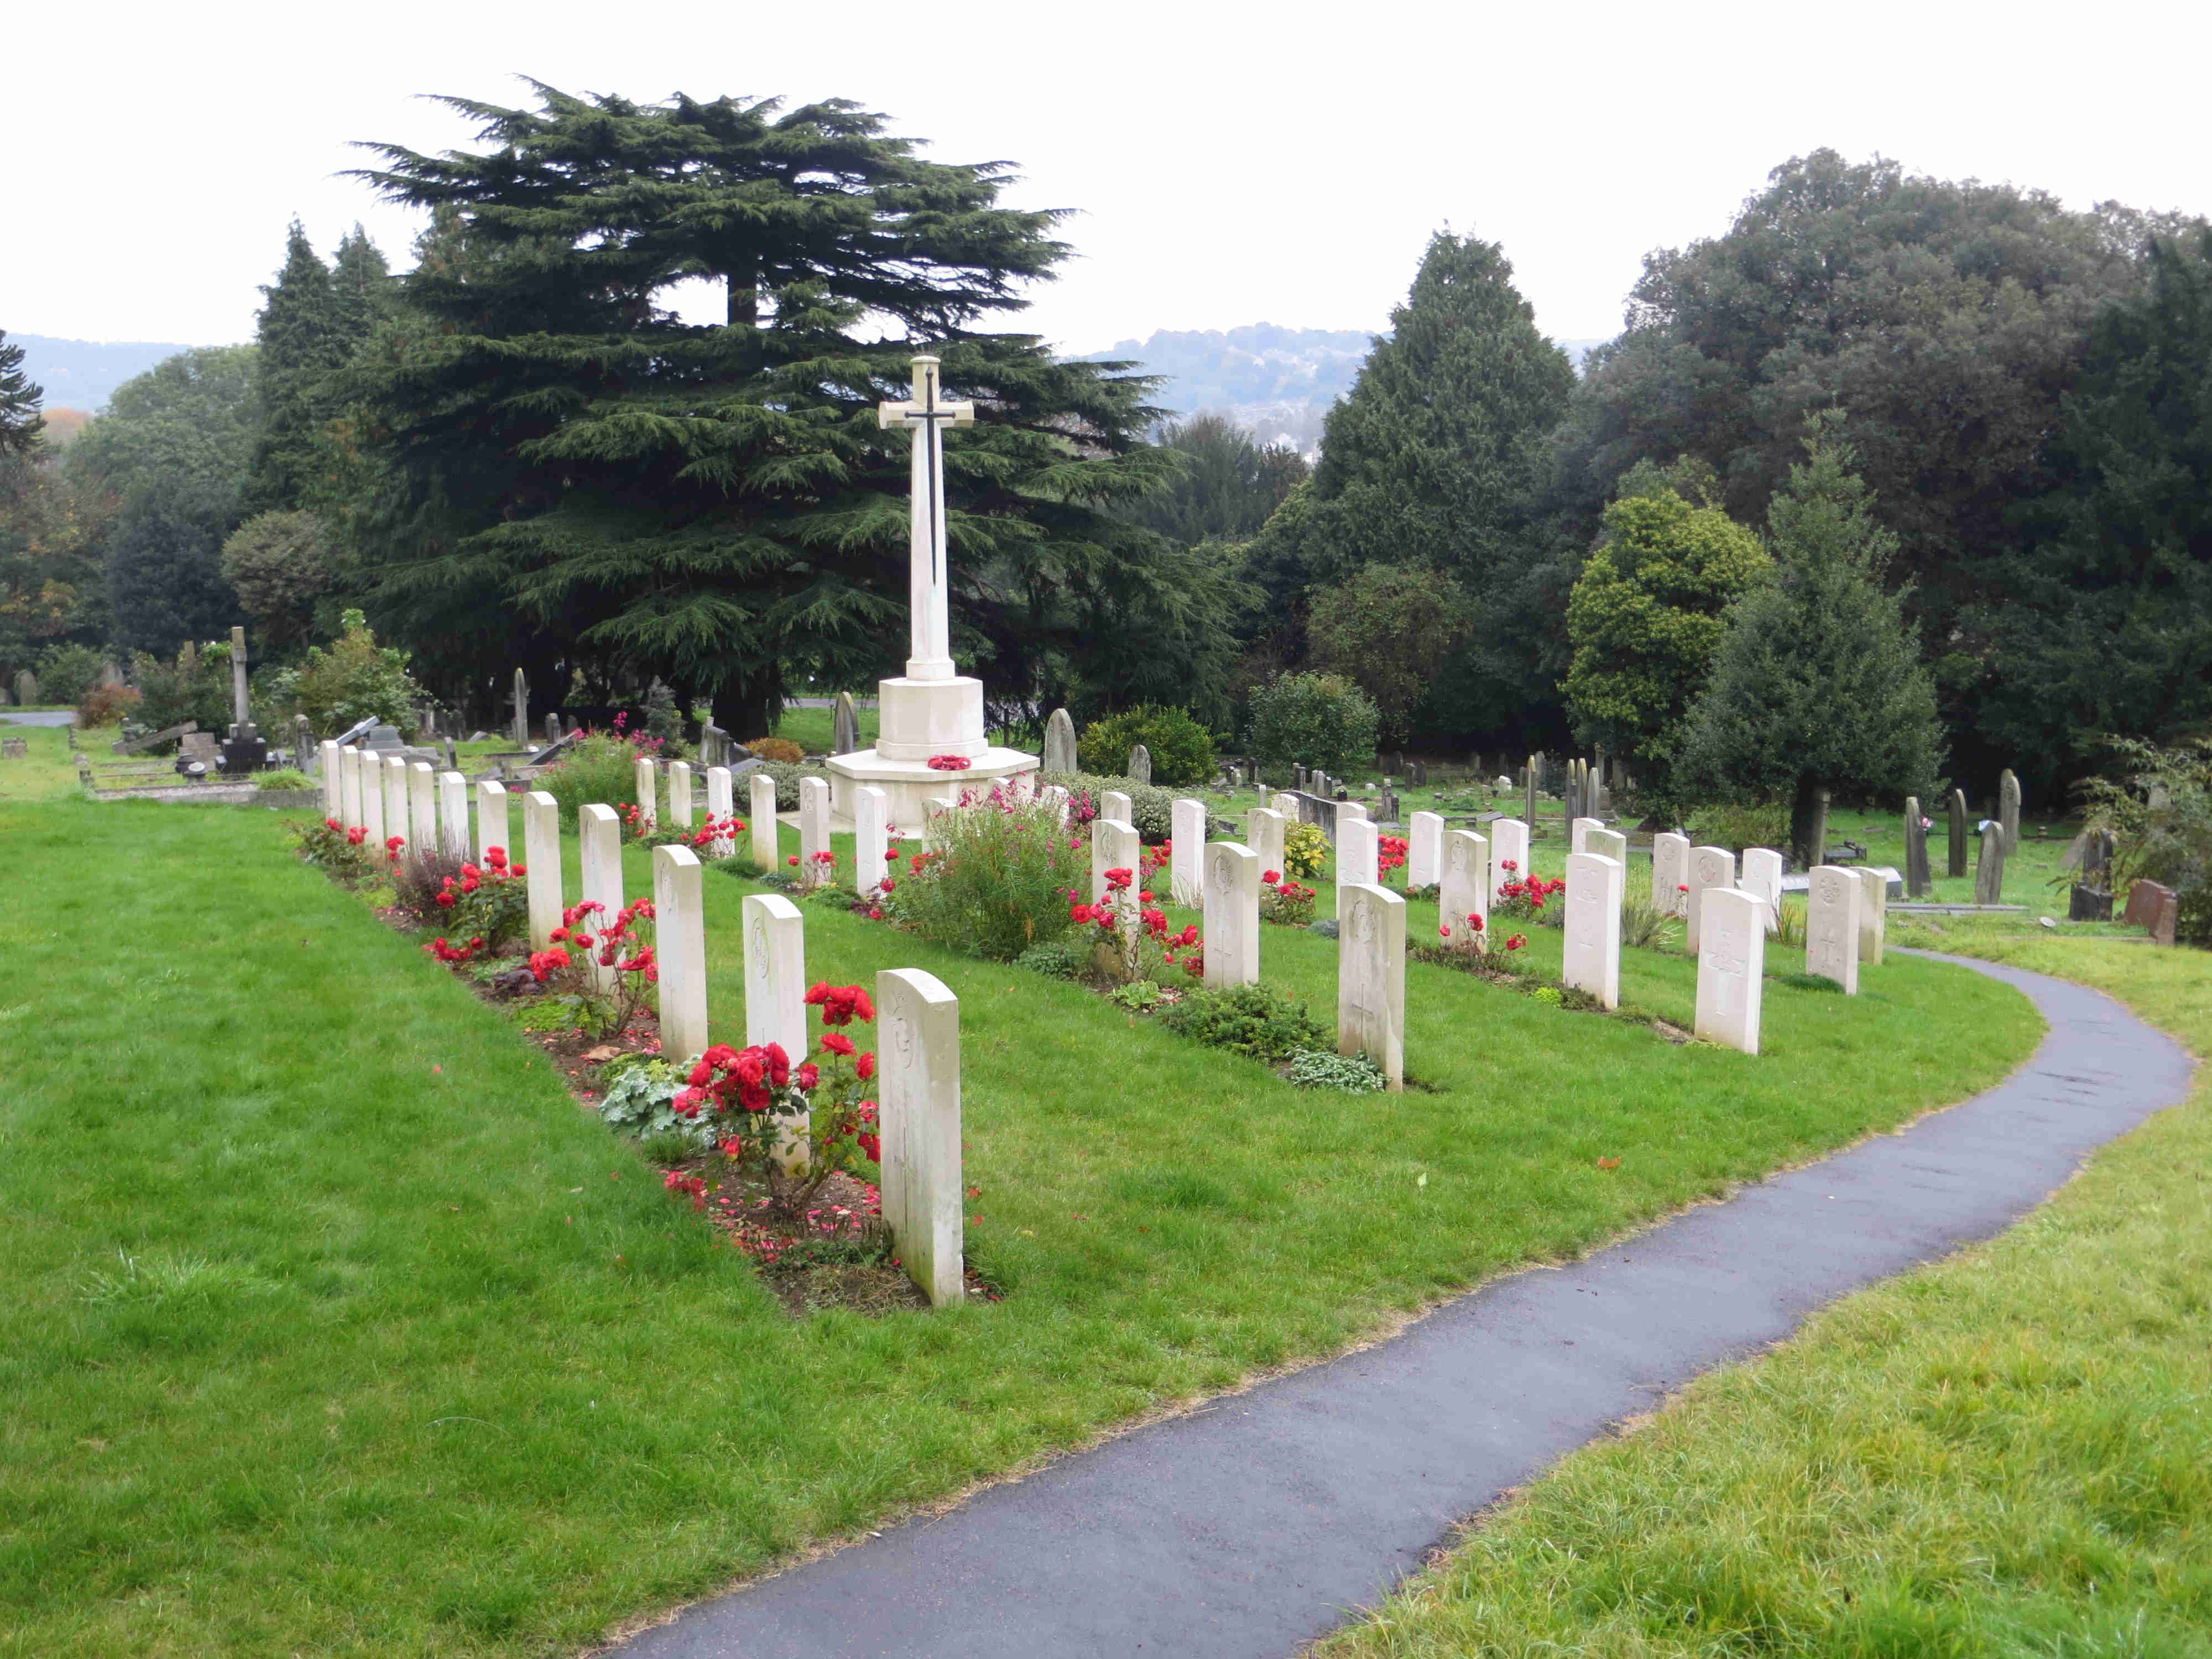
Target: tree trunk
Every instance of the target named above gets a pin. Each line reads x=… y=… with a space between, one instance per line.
x=1808 y=822
x=748 y=706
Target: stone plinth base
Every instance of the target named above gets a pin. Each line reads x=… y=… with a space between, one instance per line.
x=911 y=783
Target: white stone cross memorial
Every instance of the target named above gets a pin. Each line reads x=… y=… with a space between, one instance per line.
x=1508 y=844
x=918 y=1023
x=491 y=821
x=1233 y=914
x=1425 y=850
x=1833 y=898
x=679 y=946
x=1710 y=868
x=1187 y=853
x=541 y=846
x=1730 y=962
x=1592 y=962
x=1371 y=978
x=598 y=829
x=930 y=619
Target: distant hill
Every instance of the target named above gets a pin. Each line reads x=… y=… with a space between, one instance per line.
x=1276 y=382
x=82 y=373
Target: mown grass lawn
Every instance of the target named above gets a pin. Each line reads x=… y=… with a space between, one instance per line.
x=2006 y=1453
x=329 y=1323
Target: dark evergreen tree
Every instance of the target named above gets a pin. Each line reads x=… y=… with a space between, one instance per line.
x=300 y=346
x=579 y=481
x=21 y=422
x=1818 y=681
x=361 y=293
x=1229 y=485
x=2103 y=622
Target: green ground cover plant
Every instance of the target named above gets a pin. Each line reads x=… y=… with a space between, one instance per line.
x=2005 y=1453
x=332 y=1322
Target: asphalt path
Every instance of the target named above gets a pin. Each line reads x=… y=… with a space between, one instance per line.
x=36 y=716
x=1260 y=1522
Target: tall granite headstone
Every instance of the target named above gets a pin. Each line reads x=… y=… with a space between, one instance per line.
x=845 y=726
x=1957 y=806
x=1917 y=883
x=1060 y=743
x=2008 y=808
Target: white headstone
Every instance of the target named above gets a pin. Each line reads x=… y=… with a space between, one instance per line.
x=1187 y=853
x=762 y=819
x=421 y=808
x=1833 y=900
x=1371 y=978
x=1873 y=913
x=935 y=807
x=1762 y=880
x=1710 y=867
x=679 y=795
x=1350 y=811
x=648 y=795
x=1670 y=869
x=1607 y=844
x=599 y=830
x=1286 y=805
x=1425 y=850
x=1115 y=846
x=1579 y=834
x=372 y=802
x=1731 y=959
x=1509 y=845
x=454 y=814
x=1054 y=796
x=491 y=821
x=872 y=843
x=721 y=806
x=350 y=814
x=679 y=946
x=333 y=786
x=1464 y=890
x=813 y=828
x=1233 y=914
x=1264 y=828
x=1359 y=854
x=1592 y=963
x=541 y=848
x=1115 y=803
x=394 y=769
x=918 y=1092
x=775 y=993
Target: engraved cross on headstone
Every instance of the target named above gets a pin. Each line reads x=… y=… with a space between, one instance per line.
x=927 y=415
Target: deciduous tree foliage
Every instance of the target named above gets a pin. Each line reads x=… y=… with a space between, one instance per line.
x=1313 y=719
x=281 y=564
x=1818 y=681
x=714 y=503
x=2102 y=623
x=1388 y=628
x=1645 y=618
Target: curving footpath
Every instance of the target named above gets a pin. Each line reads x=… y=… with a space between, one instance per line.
x=1250 y=1527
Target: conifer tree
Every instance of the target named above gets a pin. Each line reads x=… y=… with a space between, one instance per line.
x=361 y=289
x=578 y=479
x=300 y=347
x=21 y=422
x=1819 y=681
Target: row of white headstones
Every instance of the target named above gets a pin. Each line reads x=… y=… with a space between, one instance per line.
x=918 y=1019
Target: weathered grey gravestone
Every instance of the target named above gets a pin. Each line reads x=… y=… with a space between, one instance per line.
x=2091 y=897
x=845 y=726
x=27 y=687
x=1958 y=810
x=1420 y=774
x=2008 y=808
x=14 y=748
x=1140 y=762
x=1989 y=869
x=1060 y=743
x=1918 y=884
x=1819 y=849
x=1529 y=806
x=520 y=726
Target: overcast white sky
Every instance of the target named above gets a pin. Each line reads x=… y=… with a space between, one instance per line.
x=1232 y=163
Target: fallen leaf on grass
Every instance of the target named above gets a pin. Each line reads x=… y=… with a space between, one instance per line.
x=1608 y=1163
x=602 y=1055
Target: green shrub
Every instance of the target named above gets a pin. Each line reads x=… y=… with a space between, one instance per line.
x=1305 y=850
x=1139 y=996
x=782 y=750
x=1246 y=1019
x=1182 y=749
x=2159 y=808
x=597 y=770
x=195 y=687
x=787 y=775
x=1055 y=959
x=284 y=778
x=107 y=705
x=356 y=679
x=1314 y=720
x=1645 y=926
x=1739 y=827
x=997 y=880
x=1152 y=807
x=66 y=672
x=1323 y=1068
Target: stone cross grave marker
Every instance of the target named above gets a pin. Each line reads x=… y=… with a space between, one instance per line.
x=1670 y=871
x=1359 y=855
x=926 y=415
x=1711 y=868
x=1989 y=869
x=1917 y=881
x=1187 y=853
x=491 y=821
x=1578 y=833
x=1116 y=804
x=1834 y=898
x=1263 y=833
x=1463 y=890
x=1957 y=806
x=453 y=815
x=679 y=795
x=541 y=847
x=1509 y=845
x=1141 y=763
x=648 y=778
x=919 y=1026
x=241 y=715
x=1607 y=844
x=721 y=806
x=1592 y=962
x=1231 y=899
x=2008 y=808
x=599 y=828
x=871 y=842
x=761 y=789
x=1114 y=846
x=1762 y=880
x=421 y=808
x=1371 y=978
x=1873 y=915
x=1731 y=964
x=679 y=947
x=1060 y=743
x=844 y=726
x=813 y=829
x=1425 y=850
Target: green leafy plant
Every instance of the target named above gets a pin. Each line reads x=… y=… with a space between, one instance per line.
x=1055 y=958
x=2159 y=808
x=107 y=705
x=1550 y=995
x=598 y=769
x=1139 y=996
x=640 y=1101
x=1286 y=901
x=1151 y=809
x=1645 y=926
x=1246 y=1019
x=356 y=679
x=1182 y=750
x=284 y=777
x=67 y=672
x=342 y=854
x=1323 y=1068
x=1001 y=877
x=786 y=775
x=1313 y=719
x=1740 y=827
x=1305 y=851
